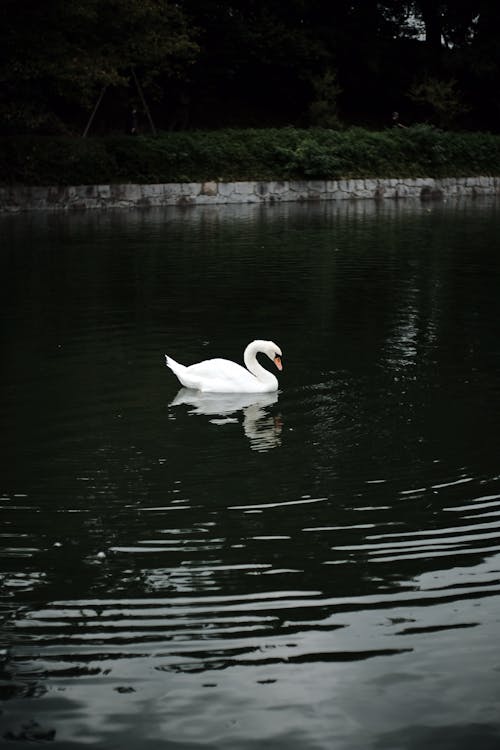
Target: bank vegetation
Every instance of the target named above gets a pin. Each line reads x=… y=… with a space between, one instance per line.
x=248 y=154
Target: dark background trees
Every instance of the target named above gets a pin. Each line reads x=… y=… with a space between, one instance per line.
x=247 y=63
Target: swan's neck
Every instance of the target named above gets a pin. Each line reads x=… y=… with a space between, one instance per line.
x=253 y=365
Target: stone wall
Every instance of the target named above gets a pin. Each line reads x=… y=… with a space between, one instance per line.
x=205 y=193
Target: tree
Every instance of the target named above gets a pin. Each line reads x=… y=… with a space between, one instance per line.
x=220 y=63
x=441 y=98
x=56 y=56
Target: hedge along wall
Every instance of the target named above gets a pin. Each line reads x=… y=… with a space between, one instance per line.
x=211 y=192
x=248 y=155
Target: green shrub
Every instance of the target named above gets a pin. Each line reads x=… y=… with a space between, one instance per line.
x=441 y=98
x=287 y=153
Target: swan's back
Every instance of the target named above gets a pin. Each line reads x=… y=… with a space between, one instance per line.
x=222 y=376
x=218 y=368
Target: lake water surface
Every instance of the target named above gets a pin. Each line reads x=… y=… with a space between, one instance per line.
x=313 y=569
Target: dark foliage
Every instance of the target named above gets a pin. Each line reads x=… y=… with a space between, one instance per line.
x=286 y=153
x=206 y=64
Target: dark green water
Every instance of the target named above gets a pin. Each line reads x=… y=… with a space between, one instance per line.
x=312 y=570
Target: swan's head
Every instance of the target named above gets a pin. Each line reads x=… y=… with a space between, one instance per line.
x=274 y=352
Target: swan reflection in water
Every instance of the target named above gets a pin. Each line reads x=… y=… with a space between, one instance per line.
x=261 y=428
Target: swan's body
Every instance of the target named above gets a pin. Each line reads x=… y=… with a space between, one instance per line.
x=224 y=376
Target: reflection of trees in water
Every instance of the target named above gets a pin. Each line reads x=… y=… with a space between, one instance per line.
x=262 y=428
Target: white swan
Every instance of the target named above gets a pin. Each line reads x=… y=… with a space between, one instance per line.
x=224 y=376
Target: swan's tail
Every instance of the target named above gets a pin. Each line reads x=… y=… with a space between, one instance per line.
x=174 y=366
x=178 y=370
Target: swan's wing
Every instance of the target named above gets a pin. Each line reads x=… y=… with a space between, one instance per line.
x=221 y=375
x=218 y=369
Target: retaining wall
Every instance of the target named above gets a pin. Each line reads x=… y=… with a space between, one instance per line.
x=79 y=197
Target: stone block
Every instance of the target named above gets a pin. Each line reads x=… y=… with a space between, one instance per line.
x=209 y=188
x=103 y=191
x=225 y=188
x=278 y=187
x=331 y=186
x=299 y=186
x=317 y=186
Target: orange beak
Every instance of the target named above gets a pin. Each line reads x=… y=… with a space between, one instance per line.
x=277 y=362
